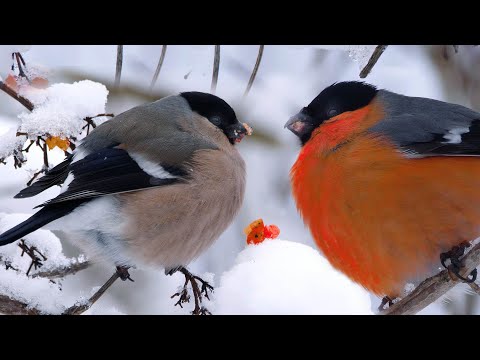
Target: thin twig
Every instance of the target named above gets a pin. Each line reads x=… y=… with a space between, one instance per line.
x=255 y=70
x=109 y=115
x=20 y=61
x=79 y=309
x=45 y=154
x=35 y=176
x=118 y=71
x=159 y=66
x=63 y=271
x=22 y=100
x=29 y=146
x=216 y=67
x=433 y=288
x=373 y=60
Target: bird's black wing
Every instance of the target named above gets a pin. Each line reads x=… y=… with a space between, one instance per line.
x=104 y=172
x=423 y=127
x=111 y=171
x=55 y=176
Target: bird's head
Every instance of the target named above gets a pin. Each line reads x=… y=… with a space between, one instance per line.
x=329 y=105
x=219 y=113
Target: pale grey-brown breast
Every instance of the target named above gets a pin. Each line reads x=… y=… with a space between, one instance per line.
x=172 y=225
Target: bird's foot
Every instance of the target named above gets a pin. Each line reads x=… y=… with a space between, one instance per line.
x=123 y=273
x=32 y=252
x=456 y=264
x=197 y=290
x=386 y=300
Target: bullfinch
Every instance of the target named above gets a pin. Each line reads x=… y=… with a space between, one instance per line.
x=387 y=183
x=154 y=186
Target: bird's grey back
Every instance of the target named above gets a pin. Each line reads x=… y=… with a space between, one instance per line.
x=149 y=129
x=416 y=119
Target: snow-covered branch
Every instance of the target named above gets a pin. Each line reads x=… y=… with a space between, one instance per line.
x=22 y=100
x=10 y=306
x=434 y=287
x=63 y=271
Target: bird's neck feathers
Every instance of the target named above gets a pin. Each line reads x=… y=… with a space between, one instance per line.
x=335 y=132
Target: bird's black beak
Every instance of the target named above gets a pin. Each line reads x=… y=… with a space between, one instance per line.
x=237 y=132
x=300 y=124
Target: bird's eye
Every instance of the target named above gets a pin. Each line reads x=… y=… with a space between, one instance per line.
x=332 y=112
x=216 y=120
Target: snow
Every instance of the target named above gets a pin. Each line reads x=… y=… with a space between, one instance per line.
x=60 y=109
x=284 y=277
x=39 y=293
x=45 y=241
x=358 y=53
x=9 y=141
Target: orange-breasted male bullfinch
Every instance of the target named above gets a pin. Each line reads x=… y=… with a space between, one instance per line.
x=155 y=185
x=387 y=183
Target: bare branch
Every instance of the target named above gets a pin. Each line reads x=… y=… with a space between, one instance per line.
x=15 y=307
x=159 y=66
x=255 y=70
x=475 y=287
x=63 y=271
x=22 y=100
x=118 y=71
x=373 y=60
x=80 y=309
x=433 y=288
x=216 y=67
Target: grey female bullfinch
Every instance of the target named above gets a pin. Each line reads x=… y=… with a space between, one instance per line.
x=154 y=186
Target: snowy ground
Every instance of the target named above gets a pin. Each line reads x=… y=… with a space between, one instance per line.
x=289 y=77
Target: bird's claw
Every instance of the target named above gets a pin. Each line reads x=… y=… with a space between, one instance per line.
x=386 y=300
x=123 y=273
x=206 y=287
x=196 y=290
x=456 y=264
x=184 y=297
x=203 y=311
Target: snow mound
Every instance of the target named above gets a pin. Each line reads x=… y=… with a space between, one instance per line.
x=39 y=293
x=61 y=108
x=283 y=277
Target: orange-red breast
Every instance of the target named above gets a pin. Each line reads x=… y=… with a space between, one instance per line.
x=386 y=182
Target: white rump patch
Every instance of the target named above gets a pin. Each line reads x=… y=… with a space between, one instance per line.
x=150 y=167
x=79 y=154
x=67 y=182
x=454 y=136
